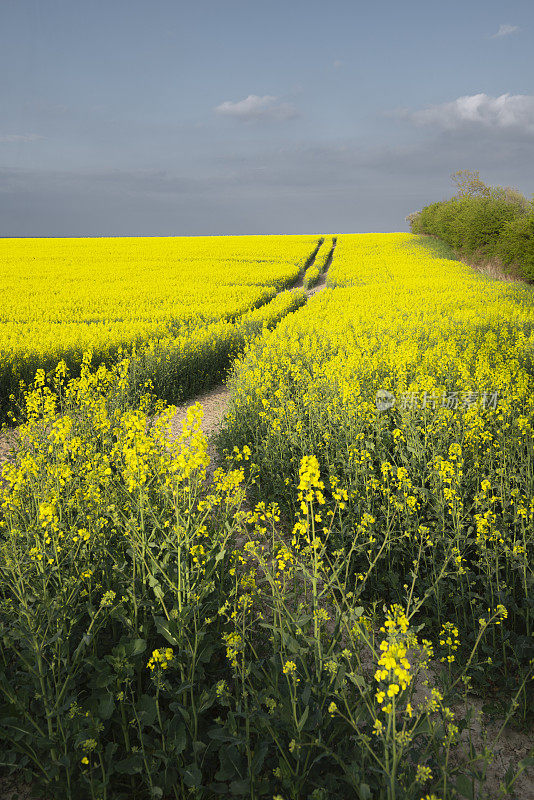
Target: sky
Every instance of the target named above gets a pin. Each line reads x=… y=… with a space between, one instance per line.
x=163 y=117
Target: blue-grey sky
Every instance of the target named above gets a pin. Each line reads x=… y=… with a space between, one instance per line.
x=163 y=117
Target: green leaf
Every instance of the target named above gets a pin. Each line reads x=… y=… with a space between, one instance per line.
x=104 y=679
x=465 y=786
x=136 y=647
x=106 y=707
x=198 y=748
x=291 y=643
x=230 y=762
x=192 y=776
x=164 y=628
x=302 y=720
x=221 y=734
x=259 y=757
x=177 y=735
x=240 y=788
x=357 y=680
x=146 y=709
x=131 y=765
x=155 y=586
x=178 y=707
x=205 y=701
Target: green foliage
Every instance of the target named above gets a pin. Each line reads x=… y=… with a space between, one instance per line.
x=516 y=243
x=414 y=221
x=158 y=641
x=469 y=184
x=493 y=224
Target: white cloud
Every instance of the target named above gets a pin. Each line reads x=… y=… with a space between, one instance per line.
x=19 y=137
x=505 y=30
x=255 y=107
x=508 y=111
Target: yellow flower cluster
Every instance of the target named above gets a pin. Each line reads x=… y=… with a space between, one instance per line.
x=496 y=617
x=234 y=647
x=289 y=668
x=449 y=639
x=161 y=658
x=310 y=484
x=393 y=673
x=423 y=773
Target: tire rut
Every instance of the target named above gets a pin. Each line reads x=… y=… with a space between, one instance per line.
x=215 y=401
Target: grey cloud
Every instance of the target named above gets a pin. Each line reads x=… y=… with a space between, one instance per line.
x=505 y=30
x=142 y=182
x=255 y=107
x=508 y=111
x=305 y=187
x=19 y=137
x=419 y=171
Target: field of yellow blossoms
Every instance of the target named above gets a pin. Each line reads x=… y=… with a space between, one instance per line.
x=179 y=301
x=328 y=613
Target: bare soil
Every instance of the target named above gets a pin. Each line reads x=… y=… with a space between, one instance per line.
x=215 y=404
x=319 y=286
x=8 y=444
x=508 y=750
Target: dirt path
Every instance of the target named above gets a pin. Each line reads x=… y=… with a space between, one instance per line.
x=8 y=442
x=215 y=402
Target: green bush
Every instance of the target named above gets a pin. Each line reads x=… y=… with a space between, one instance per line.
x=516 y=243
x=497 y=225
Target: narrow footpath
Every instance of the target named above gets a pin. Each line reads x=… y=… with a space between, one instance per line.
x=215 y=401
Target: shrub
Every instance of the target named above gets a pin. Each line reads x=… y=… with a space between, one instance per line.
x=516 y=243
x=489 y=222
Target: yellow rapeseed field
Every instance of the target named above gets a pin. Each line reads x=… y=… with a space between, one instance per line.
x=167 y=631
x=61 y=297
x=411 y=379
